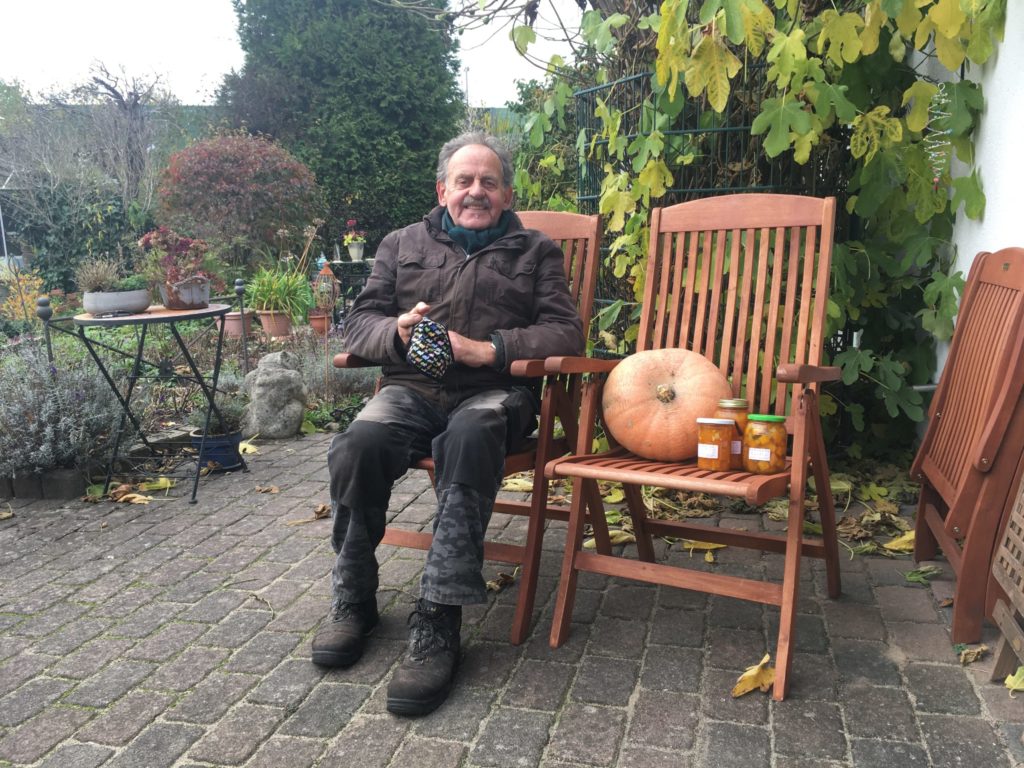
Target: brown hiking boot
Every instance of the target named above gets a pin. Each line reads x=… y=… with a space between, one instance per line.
x=340 y=640
x=424 y=679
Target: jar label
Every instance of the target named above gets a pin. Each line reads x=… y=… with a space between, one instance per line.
x=707 y=451
x=759 y=454
x=737 y=448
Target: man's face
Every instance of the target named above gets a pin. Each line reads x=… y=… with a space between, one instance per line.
x=474 y=192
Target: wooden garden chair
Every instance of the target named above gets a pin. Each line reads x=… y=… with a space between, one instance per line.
x=579 y=237
x=742 y=279
x=975 y=436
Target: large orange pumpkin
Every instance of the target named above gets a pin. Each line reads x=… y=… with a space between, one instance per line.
x=652 y=401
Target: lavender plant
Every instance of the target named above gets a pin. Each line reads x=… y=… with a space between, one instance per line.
x=59 y=416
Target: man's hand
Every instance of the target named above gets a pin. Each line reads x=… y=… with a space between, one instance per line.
x=408 y=321
x=472 y=353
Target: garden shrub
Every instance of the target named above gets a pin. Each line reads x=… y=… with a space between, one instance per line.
x=241 y=193
x=52 y=416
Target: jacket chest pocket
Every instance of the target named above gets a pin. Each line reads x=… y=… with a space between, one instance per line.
x=509 y=283
x=419 y=278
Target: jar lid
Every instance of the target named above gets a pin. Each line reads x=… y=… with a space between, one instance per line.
x=769 y=417
x=717 y=422
x=732 y=402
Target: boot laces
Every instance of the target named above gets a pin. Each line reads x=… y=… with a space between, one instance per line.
x=344 y=611
x=430 y=633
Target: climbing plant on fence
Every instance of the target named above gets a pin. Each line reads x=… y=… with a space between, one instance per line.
x=865 y=100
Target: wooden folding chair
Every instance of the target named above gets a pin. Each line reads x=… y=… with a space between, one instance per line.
x=579 y=237
x=743 y=280
x=975 y=436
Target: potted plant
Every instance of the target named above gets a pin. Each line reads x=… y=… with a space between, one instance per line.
x=224 y=434
x=279 y=296
x=181 y=268
x=355 y=240
x=325 y=296
x=106 y=292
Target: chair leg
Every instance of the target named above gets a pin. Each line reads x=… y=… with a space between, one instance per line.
x=531 y=560
x=635 y=503
x=827 y=511
x=971 y=586
x=790 y=594
x=567 y=580
x=926 y=545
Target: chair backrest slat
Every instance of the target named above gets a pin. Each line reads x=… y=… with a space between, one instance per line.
x=742 y=279
x=579 y=237
x=984 y=354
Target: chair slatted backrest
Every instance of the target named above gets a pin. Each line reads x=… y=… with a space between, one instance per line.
x=980 y=383
x=579 y=237
x=738 y=279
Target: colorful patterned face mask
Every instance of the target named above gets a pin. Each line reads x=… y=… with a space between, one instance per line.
x=430 y=349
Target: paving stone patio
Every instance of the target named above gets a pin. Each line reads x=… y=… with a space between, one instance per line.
x=172 y=634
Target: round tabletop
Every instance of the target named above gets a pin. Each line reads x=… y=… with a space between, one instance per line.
x=155 y=314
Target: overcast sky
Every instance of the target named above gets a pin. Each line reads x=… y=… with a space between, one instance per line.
x=49 y=44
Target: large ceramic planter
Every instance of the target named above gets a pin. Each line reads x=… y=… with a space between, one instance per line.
x=235 y=327
x=105 y=303
x=191 y=293
x=320 y=321
x=355 y=251
x=277 y=325
x=220 y=451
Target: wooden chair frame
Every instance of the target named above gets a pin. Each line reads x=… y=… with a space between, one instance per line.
x=742 y=279
x=975 y=436
x=579 y=237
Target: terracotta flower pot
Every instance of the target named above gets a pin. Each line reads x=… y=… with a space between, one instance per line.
x=234 y=327
x=321 y=321
x=277 y=325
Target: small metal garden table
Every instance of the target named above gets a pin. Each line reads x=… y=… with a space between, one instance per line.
x=155 y=315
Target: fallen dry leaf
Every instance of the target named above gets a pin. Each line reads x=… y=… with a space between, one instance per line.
x=760 y=675
x=320 y=511
x=246 y=447
x=160 y=484
x=702 y=546
x=6 y=514
x=615 y=535
x=709 y=556
x=517 y=484
x=115 y=494
x=946 y=602
x=267 y=489
x=134 y=498
x=904 y=543
x=502 y=580
x=1015 y=682
x=969 y=655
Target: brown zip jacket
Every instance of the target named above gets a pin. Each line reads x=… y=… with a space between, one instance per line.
x=515 y=287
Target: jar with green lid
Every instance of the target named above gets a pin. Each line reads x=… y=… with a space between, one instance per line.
x=734 y=408
x=764 y=444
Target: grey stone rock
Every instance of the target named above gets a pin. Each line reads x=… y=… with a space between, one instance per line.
x=277 y=397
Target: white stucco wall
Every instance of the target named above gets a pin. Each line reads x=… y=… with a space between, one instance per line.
x=999 y=145
x=999 y=152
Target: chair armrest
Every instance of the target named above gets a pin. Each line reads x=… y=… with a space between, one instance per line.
x=579 y=365
x=791 y=373
x=534 y=368
x=348 y=360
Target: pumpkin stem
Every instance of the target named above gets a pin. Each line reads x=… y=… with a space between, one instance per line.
x=666 y=394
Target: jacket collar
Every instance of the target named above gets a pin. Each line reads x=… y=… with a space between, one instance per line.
x=433 y=222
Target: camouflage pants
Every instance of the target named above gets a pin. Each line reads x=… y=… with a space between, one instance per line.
x=468 y=439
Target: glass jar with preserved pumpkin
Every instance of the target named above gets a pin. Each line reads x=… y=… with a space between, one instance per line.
x=714 y=444
x=734 y=408
x=764 y=444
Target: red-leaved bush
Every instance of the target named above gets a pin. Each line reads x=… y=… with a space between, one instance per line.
x=242 y=194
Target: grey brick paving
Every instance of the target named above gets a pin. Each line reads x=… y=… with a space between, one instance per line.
x=178 y=636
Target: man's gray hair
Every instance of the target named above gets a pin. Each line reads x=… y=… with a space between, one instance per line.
x=468 y=139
